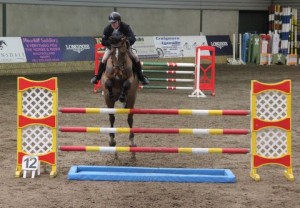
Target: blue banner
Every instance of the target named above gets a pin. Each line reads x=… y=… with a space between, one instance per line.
x=77 y=48
x=222 y=44
x=51 y=49
x=42 y=49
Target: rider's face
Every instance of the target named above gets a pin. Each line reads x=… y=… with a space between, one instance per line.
x=115 y=25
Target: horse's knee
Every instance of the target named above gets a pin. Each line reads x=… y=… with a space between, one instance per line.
x=108 y=83
x=109 y=86
x=126 y=84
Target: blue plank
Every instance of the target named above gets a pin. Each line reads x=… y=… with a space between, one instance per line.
x=146 y=174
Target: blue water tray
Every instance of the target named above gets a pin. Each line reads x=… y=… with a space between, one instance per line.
x=147 y=174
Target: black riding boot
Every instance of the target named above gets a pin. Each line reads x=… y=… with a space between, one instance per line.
x=144 y=80
x=97 y=77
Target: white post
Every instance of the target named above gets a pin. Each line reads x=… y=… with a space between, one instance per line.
x=240 y=49
x=197 y=92
x=233 y=60
x=233 y=54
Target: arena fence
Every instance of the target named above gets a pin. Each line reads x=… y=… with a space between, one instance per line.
x=270 y=126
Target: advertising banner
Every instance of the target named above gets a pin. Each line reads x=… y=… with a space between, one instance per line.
x=55 y=49
x=11 y=50
x=77 y=48
x=145 y=48
x=42 y=49
x=222 y=44
x=167 y=46
x=178 y=46
x=188 y=45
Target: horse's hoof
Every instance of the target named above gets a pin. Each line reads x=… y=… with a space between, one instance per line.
x=133 y=158
x=133 y=145
x=122 y=99
x=112 y=144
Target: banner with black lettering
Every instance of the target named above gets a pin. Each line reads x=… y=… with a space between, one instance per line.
x=11 y=50
x=178 y=46
x=42 y=49
x=77 y=48
x=222 y=44
x=52 y=49
x=145 y=48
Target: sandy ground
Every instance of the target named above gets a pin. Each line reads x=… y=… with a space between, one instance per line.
x=232 y=92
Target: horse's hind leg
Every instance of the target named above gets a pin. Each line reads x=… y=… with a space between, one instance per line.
x=112 y=142
x=131 y=135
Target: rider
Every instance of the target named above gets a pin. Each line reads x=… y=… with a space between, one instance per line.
x=116 y=24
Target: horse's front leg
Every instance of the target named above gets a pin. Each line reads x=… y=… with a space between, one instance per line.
x=125 y=88
x=109 y=86
x=131 y=135
x=112 y=142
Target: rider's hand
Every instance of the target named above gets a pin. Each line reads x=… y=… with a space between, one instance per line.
x=94 y=80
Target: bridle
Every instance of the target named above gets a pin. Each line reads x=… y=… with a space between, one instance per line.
x=120 y=64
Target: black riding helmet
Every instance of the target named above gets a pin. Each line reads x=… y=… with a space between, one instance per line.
x=114 y=16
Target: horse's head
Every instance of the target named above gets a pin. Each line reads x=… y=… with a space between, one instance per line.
x=119 y=55
x=116 y=37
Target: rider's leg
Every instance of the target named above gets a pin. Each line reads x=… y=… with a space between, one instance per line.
x=102 y=67
x=138 y=69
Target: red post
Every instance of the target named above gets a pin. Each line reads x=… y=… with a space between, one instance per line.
x=99 y=52
x=207 y=76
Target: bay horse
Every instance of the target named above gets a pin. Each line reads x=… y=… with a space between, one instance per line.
x=119 y=82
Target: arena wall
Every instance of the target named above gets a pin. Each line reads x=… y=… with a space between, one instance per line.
x=87 y=18
x=53 y=20
x=48 y=20
x=155 y=22
x=218 y=22
x=1 y=20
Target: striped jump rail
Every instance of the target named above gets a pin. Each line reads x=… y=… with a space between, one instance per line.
x=171 y=80
x=168 y=71
x=155 y=150
x=165 y=87
x=168 y=64
x=156 y=111
x=153 y=130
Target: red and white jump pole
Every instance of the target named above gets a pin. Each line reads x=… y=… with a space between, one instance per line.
x=156 y=111
x=103 y=130
x=155 y=150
